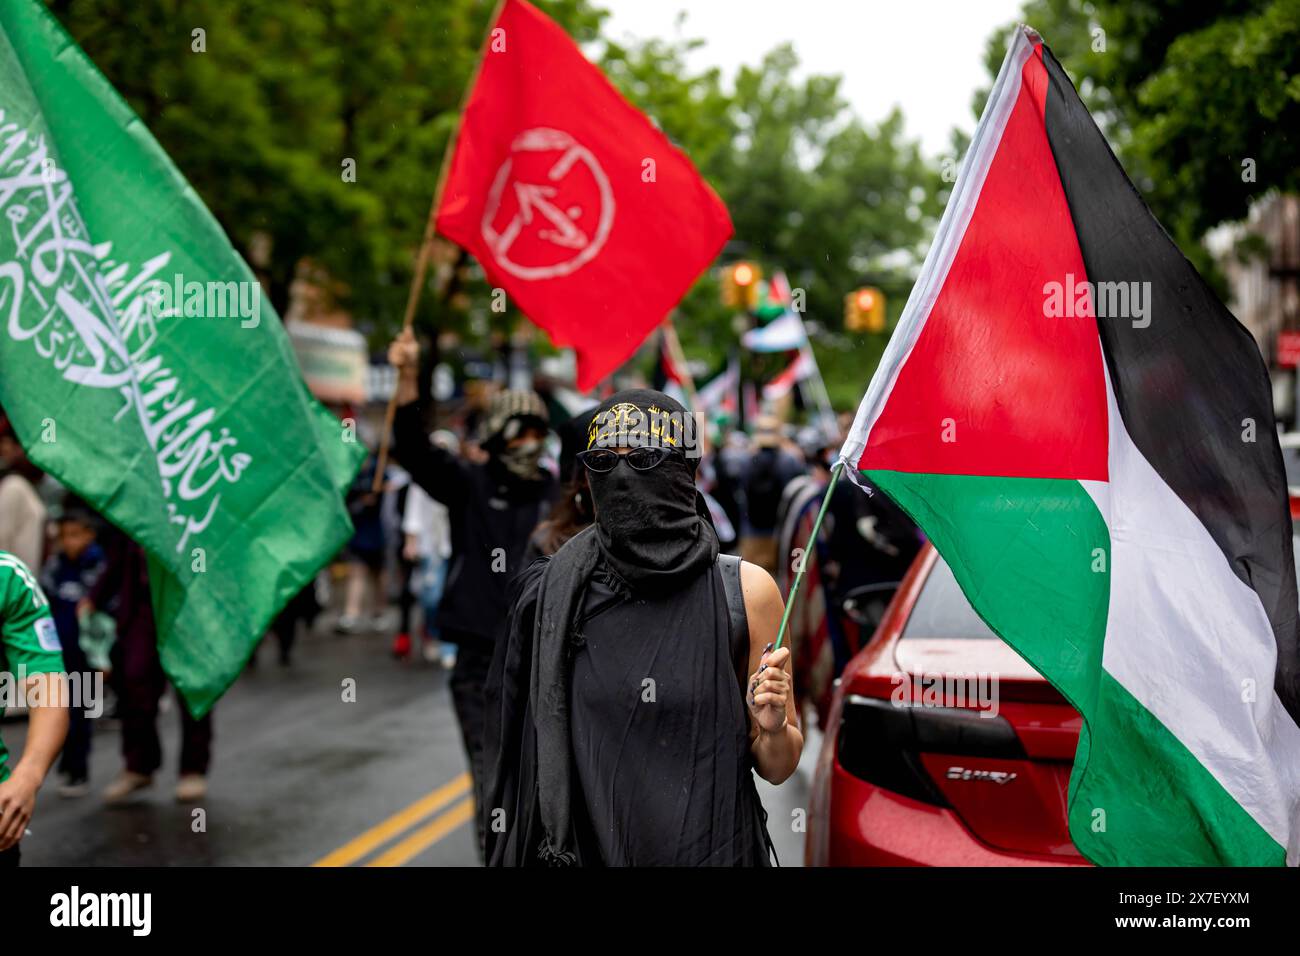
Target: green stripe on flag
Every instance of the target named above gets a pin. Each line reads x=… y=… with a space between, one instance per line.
x=1032 y=556
x=1023 y=551
x=1161 y=806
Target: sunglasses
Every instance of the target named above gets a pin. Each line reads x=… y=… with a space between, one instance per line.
x=602 y=461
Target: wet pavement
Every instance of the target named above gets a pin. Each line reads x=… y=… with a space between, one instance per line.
x=300 y=777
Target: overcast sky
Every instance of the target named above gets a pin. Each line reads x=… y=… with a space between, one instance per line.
x=924 y=55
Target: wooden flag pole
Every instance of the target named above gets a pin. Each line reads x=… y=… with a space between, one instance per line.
x=803 y=562
x=426 y=244
x=412 y=301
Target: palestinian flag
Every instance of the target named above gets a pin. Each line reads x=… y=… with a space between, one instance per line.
x=718 y=395
x=1086 y=434
x=799 y=369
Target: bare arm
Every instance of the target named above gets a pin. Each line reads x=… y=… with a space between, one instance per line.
x=775 y=739
x=46 y=729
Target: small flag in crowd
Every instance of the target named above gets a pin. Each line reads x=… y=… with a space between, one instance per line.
x=779 y=290
x=1087 y=435
x=141 y=365
x=719 y=394
x=779 y=335
x=801 y=368
x=571 y=199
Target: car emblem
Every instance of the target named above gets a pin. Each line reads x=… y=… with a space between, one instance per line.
x=999 y=777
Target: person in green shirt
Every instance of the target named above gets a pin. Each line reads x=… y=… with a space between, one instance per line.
x=30 y=652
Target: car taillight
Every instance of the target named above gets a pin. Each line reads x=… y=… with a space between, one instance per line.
x=879 y=742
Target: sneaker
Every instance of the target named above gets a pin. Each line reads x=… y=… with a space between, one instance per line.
x=429 y=651
x=73 y=787
x=191 y=788
x=448 y=658
x=127 y=783
x=348 y=624
x=402 y=646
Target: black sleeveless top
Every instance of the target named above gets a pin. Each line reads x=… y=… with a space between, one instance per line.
x=659 y=729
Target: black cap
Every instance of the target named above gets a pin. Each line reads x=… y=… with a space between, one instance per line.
x=643 y=417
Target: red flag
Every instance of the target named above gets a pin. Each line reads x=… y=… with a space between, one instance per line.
x=571 y=200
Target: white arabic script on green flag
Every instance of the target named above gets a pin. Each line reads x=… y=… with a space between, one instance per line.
x=182 y=417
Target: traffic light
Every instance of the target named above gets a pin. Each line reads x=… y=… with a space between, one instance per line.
x=864 y=310
x=740 y=284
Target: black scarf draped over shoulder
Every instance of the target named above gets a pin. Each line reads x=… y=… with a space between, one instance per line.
x=528 y=791
x=653 y=539
x=535 y=811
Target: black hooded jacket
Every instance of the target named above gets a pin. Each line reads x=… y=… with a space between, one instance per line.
x=492 y=514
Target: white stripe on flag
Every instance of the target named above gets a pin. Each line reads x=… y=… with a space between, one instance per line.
x=952 y=228
x=1185 y=634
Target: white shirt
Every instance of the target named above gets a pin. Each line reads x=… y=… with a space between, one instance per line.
x=429 y=521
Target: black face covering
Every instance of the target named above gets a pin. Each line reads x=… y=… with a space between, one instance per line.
x=652 y=529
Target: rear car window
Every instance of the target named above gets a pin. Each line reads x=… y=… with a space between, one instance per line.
x=942 y=610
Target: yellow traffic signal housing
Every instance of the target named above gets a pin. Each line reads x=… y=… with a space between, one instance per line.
x=740 y=283
x=864 y=310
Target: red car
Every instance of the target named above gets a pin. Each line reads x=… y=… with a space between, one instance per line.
x=929 y=762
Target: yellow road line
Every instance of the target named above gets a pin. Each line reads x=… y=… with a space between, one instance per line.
x=398 y=823
x=426 y=836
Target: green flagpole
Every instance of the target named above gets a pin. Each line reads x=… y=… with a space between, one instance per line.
x=803 y=562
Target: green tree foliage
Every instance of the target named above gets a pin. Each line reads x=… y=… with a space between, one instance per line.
x=811 y=189
x=262 y=121
x=1186 y=91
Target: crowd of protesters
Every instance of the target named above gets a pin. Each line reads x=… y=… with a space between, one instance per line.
x=458 y=513
x=555 y=558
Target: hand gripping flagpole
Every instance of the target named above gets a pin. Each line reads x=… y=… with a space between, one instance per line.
x=426 y=244
x=803 y=558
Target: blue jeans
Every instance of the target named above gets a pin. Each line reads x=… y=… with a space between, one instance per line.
x=430 y=579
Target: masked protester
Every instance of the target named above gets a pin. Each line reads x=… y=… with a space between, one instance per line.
x=492 y=509
x=636 y=692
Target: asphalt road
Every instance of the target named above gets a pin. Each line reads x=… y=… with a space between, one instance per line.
x=301 y=777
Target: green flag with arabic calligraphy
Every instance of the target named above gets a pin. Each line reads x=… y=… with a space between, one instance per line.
x=141 y=365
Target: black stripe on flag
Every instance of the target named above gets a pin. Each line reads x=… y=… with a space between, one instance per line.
x=1187 y=383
